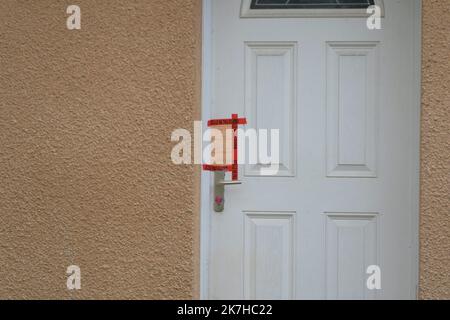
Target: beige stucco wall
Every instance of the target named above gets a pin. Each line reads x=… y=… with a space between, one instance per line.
x=435 y=165
x=85 y=173
x=85 y=170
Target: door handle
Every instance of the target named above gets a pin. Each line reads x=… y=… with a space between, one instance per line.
x=229 y=183
x=219 y=190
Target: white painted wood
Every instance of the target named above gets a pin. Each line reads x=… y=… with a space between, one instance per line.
x=206 y=178
x=353 y=87
x=247 y=12
x=268 y=255
x=416 y=98
x=270 y=97
x=323 y=204
x=352 y=245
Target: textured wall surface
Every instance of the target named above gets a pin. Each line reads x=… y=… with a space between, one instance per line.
x=85 y=170
x=85 y=173
x=435 y=176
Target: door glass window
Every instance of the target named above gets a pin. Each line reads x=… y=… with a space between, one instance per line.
x=311 y=4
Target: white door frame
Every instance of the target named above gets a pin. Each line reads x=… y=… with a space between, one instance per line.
x=206 y=177
x=206 y=180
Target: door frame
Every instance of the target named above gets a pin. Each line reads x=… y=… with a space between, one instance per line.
x=206 y=183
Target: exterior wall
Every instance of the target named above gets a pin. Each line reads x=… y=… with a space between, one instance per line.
x=86 y=178
x=85 y=170
x=435 y=165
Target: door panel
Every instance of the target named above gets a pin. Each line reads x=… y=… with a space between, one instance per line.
x=352 y=245
x=268 y=255
x=270 y=93
x=352 y=108
x=342 y=97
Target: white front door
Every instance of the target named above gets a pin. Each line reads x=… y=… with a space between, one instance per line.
x=344 y=199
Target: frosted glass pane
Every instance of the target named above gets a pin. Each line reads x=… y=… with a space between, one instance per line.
x=311 y=4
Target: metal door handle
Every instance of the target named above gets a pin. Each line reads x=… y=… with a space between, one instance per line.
x=229 y=183
x=219 y=189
